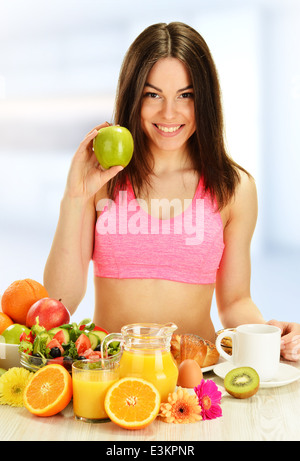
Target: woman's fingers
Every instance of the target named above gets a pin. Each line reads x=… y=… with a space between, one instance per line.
x=98 y=127
x=290 y=346
x=85 y=143
x=107 y=175
x=291 y=353
x=86 y=174
x=276 y=323
x=98 y=177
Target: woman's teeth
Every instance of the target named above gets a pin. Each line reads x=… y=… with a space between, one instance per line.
x=171 y=129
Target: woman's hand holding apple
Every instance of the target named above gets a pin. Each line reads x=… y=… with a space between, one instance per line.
x=72 y=246
x=86 y=176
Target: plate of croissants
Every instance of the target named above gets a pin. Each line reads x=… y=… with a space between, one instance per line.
x=190 y=346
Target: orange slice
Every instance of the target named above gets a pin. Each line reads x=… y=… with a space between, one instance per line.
x=49 y=391
x=132 y=403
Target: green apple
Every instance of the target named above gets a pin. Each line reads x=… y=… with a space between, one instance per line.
x=12 y=333
x=113 y=145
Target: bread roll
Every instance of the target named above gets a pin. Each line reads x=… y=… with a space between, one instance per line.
x=226 y=342
x=194 y=347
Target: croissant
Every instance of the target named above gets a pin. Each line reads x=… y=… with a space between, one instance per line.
x=226 y=342
x=194 y=347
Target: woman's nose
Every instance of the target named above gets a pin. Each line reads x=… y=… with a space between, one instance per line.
x=169 y=109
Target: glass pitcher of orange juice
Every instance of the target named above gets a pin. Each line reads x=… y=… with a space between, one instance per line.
x=146 y=354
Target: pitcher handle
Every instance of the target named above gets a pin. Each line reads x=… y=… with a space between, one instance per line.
x=110 y=339
x=220 y=349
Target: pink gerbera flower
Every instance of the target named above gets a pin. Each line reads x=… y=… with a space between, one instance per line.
x=209 y=398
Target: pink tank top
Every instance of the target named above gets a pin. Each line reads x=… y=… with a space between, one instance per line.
x=131 y=243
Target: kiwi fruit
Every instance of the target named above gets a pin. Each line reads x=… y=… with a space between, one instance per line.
x=242 y=382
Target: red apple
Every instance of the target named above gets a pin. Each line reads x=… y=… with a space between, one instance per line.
x=51 y=313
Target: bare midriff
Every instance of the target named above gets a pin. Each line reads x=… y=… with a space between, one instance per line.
x=120 y=302
x=126 y=301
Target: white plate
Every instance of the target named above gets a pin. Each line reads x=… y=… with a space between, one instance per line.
x=287 y=374
x=205 y=369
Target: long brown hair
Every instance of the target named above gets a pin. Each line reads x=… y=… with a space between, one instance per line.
x=207 y=148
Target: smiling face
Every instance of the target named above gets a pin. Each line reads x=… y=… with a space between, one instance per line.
x=167 y=113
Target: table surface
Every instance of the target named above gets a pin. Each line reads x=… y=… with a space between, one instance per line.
x=272 y=414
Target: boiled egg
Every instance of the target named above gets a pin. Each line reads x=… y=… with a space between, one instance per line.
x=189 y=374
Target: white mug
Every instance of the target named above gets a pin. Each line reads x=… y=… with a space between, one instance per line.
x=256 y=346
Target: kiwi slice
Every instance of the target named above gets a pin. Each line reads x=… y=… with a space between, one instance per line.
x=242 y=382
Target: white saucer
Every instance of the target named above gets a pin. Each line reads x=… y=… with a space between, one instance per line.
x=287 y=374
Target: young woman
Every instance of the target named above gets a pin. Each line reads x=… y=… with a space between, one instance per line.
x=162 y=263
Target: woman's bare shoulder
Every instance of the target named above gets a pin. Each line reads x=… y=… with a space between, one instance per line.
x=244 y=202
x=246 y=189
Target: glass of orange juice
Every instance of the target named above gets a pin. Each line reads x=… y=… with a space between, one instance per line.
x=91 y=380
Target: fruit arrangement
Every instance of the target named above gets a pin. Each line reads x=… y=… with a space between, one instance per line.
x=22 y=303
x=41 y=328
x=19 y=297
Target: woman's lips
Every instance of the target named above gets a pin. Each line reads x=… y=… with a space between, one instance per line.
x=168 y=130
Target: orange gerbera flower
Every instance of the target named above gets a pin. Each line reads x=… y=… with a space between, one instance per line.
x=181 y=408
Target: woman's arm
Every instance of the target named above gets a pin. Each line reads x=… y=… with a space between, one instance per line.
x=233 y=279
x=66 y=270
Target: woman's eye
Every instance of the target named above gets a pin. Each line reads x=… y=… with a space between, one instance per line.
x=151 y=95
x=187 y=95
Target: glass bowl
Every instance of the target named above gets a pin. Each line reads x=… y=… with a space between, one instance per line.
x=33 y=363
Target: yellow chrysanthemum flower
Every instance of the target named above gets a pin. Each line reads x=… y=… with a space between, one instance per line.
x=12 y=386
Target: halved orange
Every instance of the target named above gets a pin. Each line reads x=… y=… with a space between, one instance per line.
x=49 y=391
x=132 y=403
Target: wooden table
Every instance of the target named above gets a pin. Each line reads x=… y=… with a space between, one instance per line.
x=272 y=414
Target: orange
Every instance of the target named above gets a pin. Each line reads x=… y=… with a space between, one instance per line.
x=132 y=403
x=19 y=297
x=49 y=391
x=5 y=322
